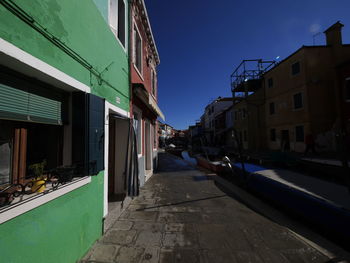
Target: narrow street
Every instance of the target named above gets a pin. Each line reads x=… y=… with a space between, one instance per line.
x=182 y=216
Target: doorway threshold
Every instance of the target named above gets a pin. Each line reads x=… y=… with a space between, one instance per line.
x=148 y=174
x=115 y=209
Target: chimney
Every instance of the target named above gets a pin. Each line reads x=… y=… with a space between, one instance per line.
x=333 y=34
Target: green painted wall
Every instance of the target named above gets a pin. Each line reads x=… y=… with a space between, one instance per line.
x=60 y=231
x=82 y=26
x=64 y=229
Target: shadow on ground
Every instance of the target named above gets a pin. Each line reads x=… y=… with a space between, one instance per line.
x=291 y=221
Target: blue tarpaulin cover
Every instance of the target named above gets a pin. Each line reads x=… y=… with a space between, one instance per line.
x=250 y=168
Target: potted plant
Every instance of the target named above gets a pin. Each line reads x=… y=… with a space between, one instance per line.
x=39 y=181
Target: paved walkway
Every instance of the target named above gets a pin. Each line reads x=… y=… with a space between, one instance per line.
x=182 y=216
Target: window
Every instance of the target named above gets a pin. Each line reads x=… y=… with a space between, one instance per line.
x=113 y=22
x=19 y=144
x=299 y=133
x=6 y=151
x=137 y=50
x=270 y=83
x=298 y=100
x=154 y=82
x=155 y=135
x=295 y=68
x=137 y=126
x=347 y=89
x=273 y=135
x=117 y=15
x=272 y=108
x=121 y=21
x=243 y=114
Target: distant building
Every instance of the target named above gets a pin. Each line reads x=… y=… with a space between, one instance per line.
x=181 y=133
x=249 y=121
x=195 y=130
x=166 y=132
x=208 y=118
x=301 y=95
x=195 y=133
x=224 y=127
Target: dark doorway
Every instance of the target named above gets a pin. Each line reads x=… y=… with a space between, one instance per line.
x=117 y=152
x=285 y=142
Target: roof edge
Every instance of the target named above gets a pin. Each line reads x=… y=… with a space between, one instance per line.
x=150 y=29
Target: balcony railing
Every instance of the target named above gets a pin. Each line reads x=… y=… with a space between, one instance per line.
x=48 y=182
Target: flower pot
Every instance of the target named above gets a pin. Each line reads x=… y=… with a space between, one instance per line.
x=38 y=186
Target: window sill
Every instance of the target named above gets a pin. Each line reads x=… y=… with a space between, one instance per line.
x=23 y=204
x=154 y=97
x=114 y=31
x=138 y=72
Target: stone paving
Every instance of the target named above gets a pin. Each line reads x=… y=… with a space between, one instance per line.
x=182 y=216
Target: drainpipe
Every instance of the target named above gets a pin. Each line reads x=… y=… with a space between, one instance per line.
x=130 y=4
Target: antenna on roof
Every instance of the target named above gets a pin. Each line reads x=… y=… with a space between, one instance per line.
x=314 y=37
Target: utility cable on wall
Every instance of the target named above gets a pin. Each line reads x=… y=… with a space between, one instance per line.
x=29 y=20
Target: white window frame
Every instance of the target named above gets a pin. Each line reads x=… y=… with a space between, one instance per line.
x=139 y=113
x=155 y=132
x=134 y=32
x=49 y=74
x=109 y=109
x=114 y=29
x=36 y=200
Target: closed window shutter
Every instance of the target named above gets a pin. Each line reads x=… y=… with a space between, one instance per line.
x=13 y=103
x=96 y=111
x=88 y=133
x=21 y=105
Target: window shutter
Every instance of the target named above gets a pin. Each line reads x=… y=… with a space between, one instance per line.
x=88 y=133
x=13 y=103
x=22 y=105
x=96 y=124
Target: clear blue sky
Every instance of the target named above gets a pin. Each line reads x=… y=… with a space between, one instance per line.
x=200 y=42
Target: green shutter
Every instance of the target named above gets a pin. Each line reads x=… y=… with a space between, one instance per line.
x=21 y=105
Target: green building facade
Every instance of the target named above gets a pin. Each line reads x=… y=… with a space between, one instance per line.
x=64 y=68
